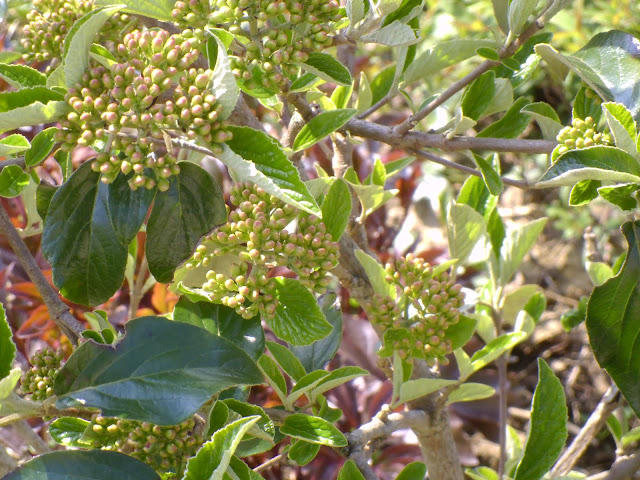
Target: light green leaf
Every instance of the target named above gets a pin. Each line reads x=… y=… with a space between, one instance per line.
x=395 y=34
x=41 y=147
x=9 y=382
x=463 y=362
x=313 y=429
x=7 y=347
x=478 y=95
x=328 y=68
x=468 y=392
x=213 y=458
x=341 y=96
x=365 y=95
x=158 y=9
x=414 y=389
x=336 y=208
x=298 y=319
x=13 y=180
x=258 y=158
x=322 y=125
x=78 y=41
x=29 y=113
x=546 y=117
x=491 y=178
x=622 y=196
x=306 y=384
x=548 y=431
x=273 y=376
x=495 y=348
x=68 y=431
x=338 y=377
x=413 y=471
x=515 y=301
x=512 y=123
x=465 y=228
x=622 y=125
x=20 y=76
x=13 y=144
x=377 y=275
x=355 y=11
x=349 y=471
x=223 y=82
x=516 y=245
x=583 y=192
x=371 y=197
x=599 y=272
x=287 y=360
x=518 y=14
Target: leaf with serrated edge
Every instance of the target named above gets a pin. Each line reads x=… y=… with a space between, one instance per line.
x=19 y=76
x=213 y=458
x=305 y=384
x=145 y=372
x=35 y=113
x=395 y=34
x=548 y=431
x=313 y=429
x=256 y=157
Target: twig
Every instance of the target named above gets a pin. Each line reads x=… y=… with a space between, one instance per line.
x=270 y=463
x=594 y=424
x=136 y=293
x=31 y=438
x=485 y=66
x=471 y=171
x=622 y=469
x=13 y=161
x=376 y=106
x=360 y=459
x=58 y=310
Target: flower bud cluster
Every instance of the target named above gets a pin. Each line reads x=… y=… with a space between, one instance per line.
x=51 y=20
x=37 y=382
x=164 y=448
x=581 y=134
x=416 y=324
x=279 y=33
x=257 y=238
x=134 y=97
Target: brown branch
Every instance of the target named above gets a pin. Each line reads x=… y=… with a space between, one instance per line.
x=623 y=468
x=13 y=161
x=58 y=310
x=485 y=66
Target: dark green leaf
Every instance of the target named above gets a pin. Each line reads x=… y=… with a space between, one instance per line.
x=548 y=431
x=273 y=376
x=474 y=192
x=319 y=353
x=218 y=417
x=44 y=194
x=191 y=208
x=259 y=159
x=349 y=471
x=460 y=333
x=336 y=208
x=583 y=192
x=496 y=231
x=336 y=378
x=536 y=305
x=511 y=124
x=88 y=228
x=287 y=360
x=413 y=471
x=313 y=429
x=83 y=465
x=613 y=323
x=575 y=316
x=13 y=180
x=213 y=459
x=7 y=347
x=488 y=53
x=621 y=195
x=41 y=147
x=68 y=431
x=322 y=125
x=298 y=319
x=304 y=82
x=20 y=76
x=303 y=452
x=26 y=96
x=592 y=163
x=66 y=165
x=242 y=471
x=328 y=68
x=225 y=322
x=143 y=375
x=491 y=178
x=479 y=95
x=382 y=83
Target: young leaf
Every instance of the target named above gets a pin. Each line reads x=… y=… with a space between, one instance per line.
x=512 y=123
x=516 y=245
x=328 y=68
x=413 y=471
x=491 y=178
x=365 y=94
x=548 y=431
x=546 y=117
x=306 y=384
x=41 y=147
x=138 y=377
x=621 y=195
x=247 y=334
x=13 y=144
x=336 y=208
x=341 y=96
x=274 y=378
x=349 y=471
x=287 y=360
x=395 y=34
x=377 y=275
x=305 y=82
x=479 y=95
x=414 y=389
x=612 y=321
x=313 y=429
x=7 y=347
x=322 y=125
x=518 y=13
x=213 y=458
x=158 y=9
x=77 y=43
x=13 y=180
x=583 y=192
x=338 y=377
x=468 y=392
x=319 y=353
x=460 y=333
x=241 y=470
x=256 y=157
x=622 y=125
x=30 y=106
x=298 y=319
x=223 y=82
x=191 y=208
x=303 y=452
x=465 y=228
x=85 y=219
x=21 y=76
x=382 y=83
x=83 y=465
x=495 y=348
x=9 y=383
x=68 y=431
